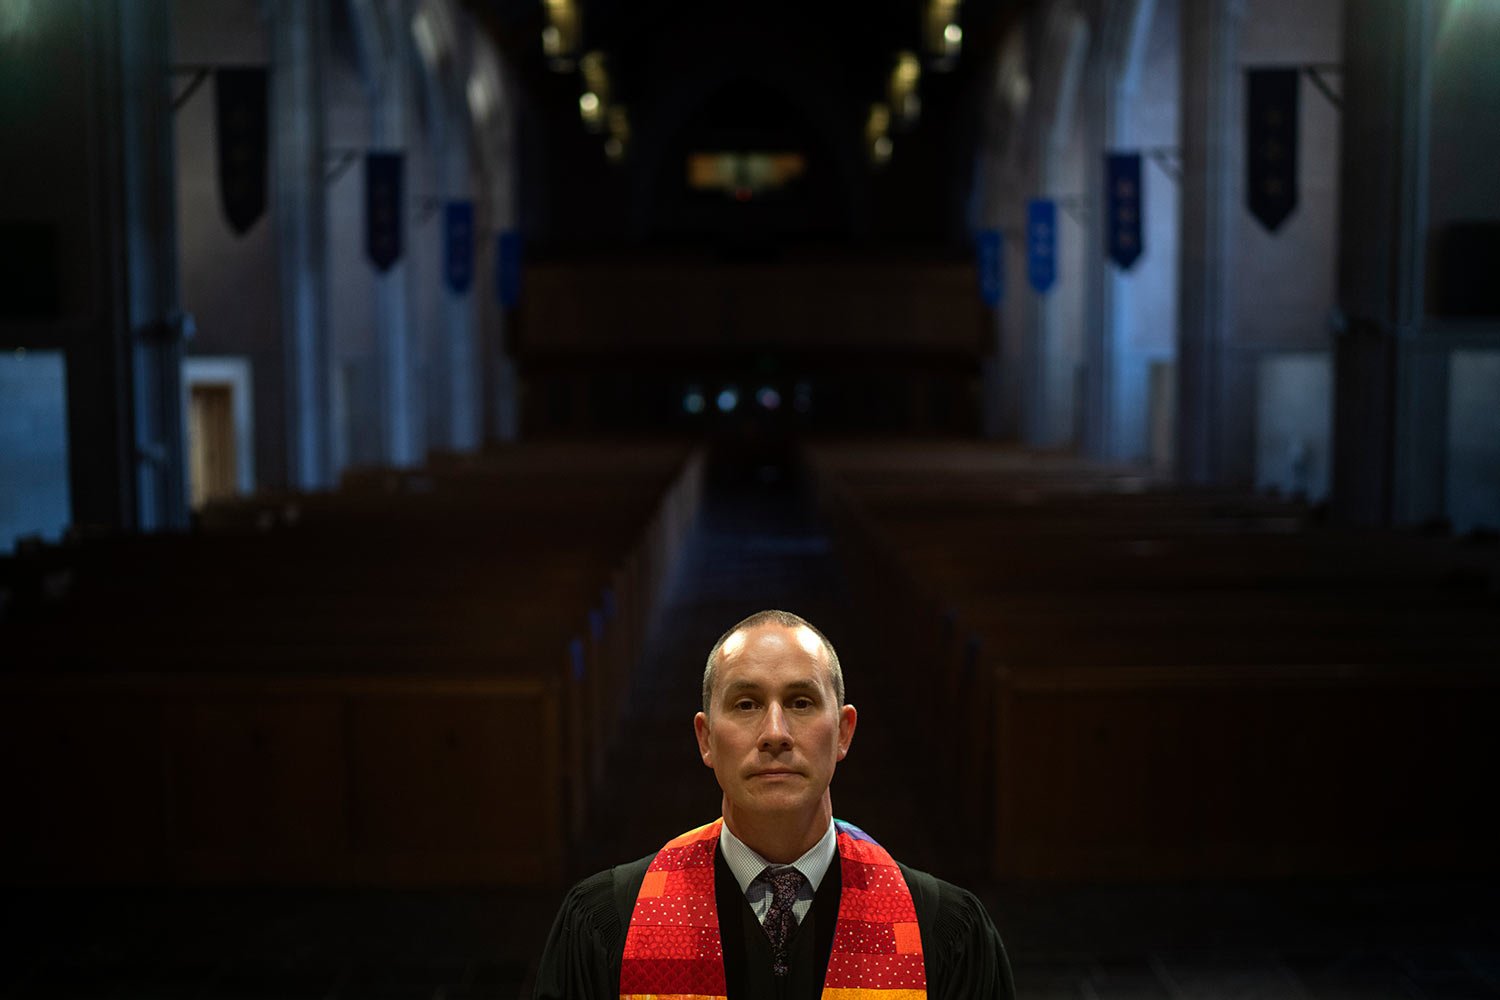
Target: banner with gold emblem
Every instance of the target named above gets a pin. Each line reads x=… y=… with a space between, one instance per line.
x=1271 y=144
x=241 y=119
x=383 y=206
x=1122 y=196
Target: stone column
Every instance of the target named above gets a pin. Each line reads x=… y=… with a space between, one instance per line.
x=147 y=258
x=299 y=34
x=495 y=213
x=455 y=368
x=1099 y=331
x=383 y=26
x=989 y=167
x=1048 y=359
x=1390 y=433
x=1124 y=107
x=1211 y=145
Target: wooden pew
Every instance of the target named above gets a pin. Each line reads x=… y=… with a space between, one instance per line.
x=392 y=781
x=392 y=685
x=1163 y=684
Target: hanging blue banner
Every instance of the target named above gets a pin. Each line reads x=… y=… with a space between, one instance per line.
x=458 y=240
x=1122 y=198
x=242 y=122
x=383 y=209
x=1271 y=97
x=989 y=255
x=1041 y=243
x=508 y=267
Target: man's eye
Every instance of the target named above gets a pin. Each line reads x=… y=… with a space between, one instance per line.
x=744 y=705
x=803 y=703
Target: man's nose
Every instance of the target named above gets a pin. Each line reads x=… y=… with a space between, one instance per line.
x=774 y=734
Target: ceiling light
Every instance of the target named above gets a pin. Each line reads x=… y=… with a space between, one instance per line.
x=876 y=128
x=591 y=110
x=908 y=70
x=595 y=78
x=619 y=122
x=560 y=34
x=942 y=33
x=902 y=89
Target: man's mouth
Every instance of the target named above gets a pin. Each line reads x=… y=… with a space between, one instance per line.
x=779 y=773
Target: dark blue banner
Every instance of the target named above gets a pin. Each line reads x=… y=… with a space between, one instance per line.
x=458 y=239
x=383 y=206
x=508 y=267
x=989 y=255
x=1041 y=243
x=242 y=122
x=1122 y=198
x=1271 y=111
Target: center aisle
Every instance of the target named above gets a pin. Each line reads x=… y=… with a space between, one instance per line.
x=759 y=543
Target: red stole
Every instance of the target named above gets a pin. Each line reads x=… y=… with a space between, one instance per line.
x=673 y=951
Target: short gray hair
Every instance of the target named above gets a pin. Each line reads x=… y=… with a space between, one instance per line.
x=786 y=620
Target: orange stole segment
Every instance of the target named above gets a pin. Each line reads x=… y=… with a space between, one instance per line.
x=673 y=951
x=672 y=947
x=877 y=948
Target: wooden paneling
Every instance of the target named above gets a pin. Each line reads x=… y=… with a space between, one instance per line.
x=257 y=784
x=918 y=306
x=454 y=776
x=83 y=777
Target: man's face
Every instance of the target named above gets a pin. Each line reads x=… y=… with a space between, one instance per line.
x=774 y=732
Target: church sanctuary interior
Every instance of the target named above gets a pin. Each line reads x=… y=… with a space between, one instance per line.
x=398 y=398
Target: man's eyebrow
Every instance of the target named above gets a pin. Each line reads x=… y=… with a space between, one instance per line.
x=797 y=686
x=737 y=686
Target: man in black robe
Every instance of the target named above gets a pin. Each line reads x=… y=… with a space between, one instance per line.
x=773 y=727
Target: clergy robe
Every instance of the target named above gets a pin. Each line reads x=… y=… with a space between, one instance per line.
x=961 y=949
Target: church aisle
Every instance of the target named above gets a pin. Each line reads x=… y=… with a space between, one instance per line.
x=759 y=543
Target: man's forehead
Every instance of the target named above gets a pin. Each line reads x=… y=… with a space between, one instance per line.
x=772 y=634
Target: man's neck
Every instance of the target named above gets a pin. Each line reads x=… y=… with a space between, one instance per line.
x=780 y=838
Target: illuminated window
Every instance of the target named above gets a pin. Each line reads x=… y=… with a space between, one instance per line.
x=743 y=174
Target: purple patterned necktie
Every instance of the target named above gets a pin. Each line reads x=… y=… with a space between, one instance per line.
x=785 y=883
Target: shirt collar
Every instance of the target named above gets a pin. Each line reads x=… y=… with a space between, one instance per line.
x=747 y=864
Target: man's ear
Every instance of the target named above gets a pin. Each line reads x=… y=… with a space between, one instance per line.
x=700 y=727
x=848 y=719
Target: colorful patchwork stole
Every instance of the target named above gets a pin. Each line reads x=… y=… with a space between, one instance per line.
x=673 y=951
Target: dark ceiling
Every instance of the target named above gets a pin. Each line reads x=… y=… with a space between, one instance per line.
x=776 y=76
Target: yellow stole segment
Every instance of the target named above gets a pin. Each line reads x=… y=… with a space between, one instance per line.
x=673 y=950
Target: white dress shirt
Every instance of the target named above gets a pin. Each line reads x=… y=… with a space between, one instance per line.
x=747 y=865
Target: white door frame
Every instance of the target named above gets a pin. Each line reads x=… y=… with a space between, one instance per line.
x=236 y=373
